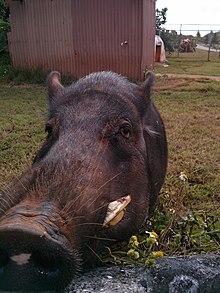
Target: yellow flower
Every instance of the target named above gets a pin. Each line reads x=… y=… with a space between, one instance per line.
x=158 y=254
x=136 y=255
x=134 y=238
x=183 y=176
x=151 y=241
x=130 y=252
x=172 y=211
x=133 y=241
x=153 y=234
x=150 y=262
x=133 y=253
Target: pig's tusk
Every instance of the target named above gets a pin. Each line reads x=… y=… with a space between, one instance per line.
x=116 y=210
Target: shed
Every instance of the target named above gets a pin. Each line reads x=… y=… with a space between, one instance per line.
x=160 y=54
x=77 y=37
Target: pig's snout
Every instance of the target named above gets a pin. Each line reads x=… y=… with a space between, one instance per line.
x=32 y=260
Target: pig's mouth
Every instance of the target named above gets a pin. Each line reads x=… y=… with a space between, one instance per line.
x=33 y=254
x=116 y=211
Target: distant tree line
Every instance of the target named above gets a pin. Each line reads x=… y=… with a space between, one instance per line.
x=210 y=38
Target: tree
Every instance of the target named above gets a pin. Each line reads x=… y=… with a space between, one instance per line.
x=4 y=11
x=170 y=38
x=214 y=40
x=211 y=34
x=206 y=39
x=198 y=36
x=160 y=18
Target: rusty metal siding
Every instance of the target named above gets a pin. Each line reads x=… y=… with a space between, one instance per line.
x=149 y=28
x=98 y=46
x=77 y=37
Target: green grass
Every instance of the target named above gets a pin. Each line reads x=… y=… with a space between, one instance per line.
x=16 y=76
x=192 y=116
x=187 y=216
x=191 y=63
x=22 y=115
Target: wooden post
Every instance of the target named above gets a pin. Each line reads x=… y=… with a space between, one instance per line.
x=209 y=52
x=178 y=53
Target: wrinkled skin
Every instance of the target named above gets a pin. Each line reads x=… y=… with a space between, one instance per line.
x=105 y=140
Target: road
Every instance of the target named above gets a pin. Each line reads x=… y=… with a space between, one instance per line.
x=205 y=48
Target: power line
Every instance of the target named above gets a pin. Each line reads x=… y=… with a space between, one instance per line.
x=205 y=24
x=197 y=30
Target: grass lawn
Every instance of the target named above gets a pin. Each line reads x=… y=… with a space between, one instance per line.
x=191 y=111
x=191 y=63
x=22 y=113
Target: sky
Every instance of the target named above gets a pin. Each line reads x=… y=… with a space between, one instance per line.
x=205 y=14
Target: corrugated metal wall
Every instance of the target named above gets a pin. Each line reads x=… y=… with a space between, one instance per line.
x=77 y=37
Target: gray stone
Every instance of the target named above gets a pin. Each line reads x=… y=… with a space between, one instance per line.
x=192 y=274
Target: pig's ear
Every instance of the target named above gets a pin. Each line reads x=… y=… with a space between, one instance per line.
x=146 y=86
x=145 y=93
x=155 y=139
x=54 y=86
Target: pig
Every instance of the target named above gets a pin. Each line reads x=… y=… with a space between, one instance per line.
x=94 y=181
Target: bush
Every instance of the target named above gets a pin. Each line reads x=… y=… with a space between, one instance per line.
x=4 y=29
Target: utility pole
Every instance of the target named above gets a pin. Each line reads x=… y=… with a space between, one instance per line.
x=178 y=54
x=210 y=44
x=209 y=52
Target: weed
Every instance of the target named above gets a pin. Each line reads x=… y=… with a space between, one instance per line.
x=17 y=76
x=179 y=231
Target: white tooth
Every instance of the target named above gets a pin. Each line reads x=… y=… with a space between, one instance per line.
x=116 y=210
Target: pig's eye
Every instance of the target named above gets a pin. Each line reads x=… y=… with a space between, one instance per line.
x=48 y=129
x=125 y=131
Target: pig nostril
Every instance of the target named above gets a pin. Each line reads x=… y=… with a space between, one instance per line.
x=4 y=258
x=47 y=262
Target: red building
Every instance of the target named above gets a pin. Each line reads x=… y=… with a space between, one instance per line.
x=77 y=37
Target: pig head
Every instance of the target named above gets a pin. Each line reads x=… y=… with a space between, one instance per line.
x=94 y=181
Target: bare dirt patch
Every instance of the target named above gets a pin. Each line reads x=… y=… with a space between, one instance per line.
x=192 y=76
